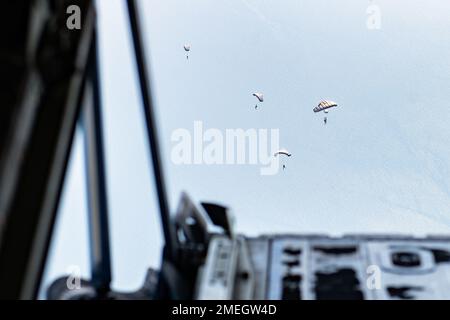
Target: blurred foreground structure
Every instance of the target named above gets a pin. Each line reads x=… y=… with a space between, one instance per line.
x=42 y=73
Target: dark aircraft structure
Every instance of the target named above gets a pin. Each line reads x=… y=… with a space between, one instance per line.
x=49 y=83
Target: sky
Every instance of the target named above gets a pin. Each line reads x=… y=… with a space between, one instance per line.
x=379 y=165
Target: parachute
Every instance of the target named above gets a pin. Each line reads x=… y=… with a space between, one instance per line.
x=324 y=105
x=260 y=98
x=187 y=48
x=282 y=152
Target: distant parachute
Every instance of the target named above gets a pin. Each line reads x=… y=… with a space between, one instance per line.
x=324 y=106
x=187 y=48
x=282 y=152
x=260 y=98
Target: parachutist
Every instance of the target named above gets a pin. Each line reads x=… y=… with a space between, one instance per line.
x=325 y=120
x=256 y=106
x=284 y=166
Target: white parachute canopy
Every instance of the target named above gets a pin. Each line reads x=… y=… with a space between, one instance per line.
x=187 y=47
x=324 y=105
x=259 y=96
x=282 y=152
